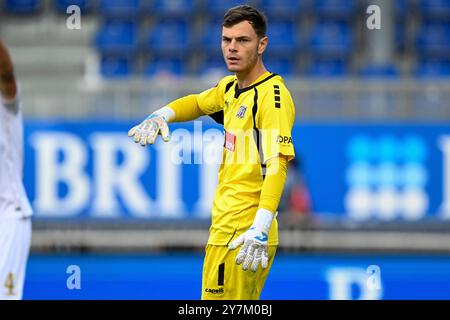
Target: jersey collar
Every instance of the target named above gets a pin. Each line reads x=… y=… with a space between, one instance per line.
x=238 y=91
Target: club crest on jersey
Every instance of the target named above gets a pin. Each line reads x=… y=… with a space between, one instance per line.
x=241 y=112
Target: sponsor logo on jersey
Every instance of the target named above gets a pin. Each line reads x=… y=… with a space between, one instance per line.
x=230 y=141
x=284 y=139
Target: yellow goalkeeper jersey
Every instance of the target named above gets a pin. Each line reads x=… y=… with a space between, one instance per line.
x=258 y=123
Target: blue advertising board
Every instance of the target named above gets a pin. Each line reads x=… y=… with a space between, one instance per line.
x=178 y=276
x=87 y=170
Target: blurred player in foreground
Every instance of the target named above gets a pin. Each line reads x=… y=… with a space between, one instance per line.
x=258 y=113
x=15 y=209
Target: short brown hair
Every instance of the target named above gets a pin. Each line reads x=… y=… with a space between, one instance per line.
x=241 y=13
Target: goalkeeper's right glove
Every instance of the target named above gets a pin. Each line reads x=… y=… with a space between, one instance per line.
x=146 y=132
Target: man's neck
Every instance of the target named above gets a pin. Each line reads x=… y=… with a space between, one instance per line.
x=246 y=79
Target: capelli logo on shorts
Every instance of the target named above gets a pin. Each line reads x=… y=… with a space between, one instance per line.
x=284 y=139
x=214 y=291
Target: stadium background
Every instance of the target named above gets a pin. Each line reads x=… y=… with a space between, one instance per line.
x=368 y=198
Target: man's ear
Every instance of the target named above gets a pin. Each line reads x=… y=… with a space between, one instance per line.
x=262 y=45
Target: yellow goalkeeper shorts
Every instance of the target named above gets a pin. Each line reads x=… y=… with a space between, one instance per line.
x=223 y=279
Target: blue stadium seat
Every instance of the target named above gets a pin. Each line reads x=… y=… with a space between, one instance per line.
x=282 y=38
x=117 y=38
x=401 y=8
x=282 y=9
x=435 y=9
x=124 y=9
x=400 y=35
x=433 y=40
x=331 y=40
x=171 y=37
x=84 y=5
x=433 y=68
x=285 y=67
x=219 y=8
x=334 y=9
x=116 y=67
x=379 y=71
x=182 y=9
x=328 y=68
x=211 y=39
x=164 y=66
x=22 y=6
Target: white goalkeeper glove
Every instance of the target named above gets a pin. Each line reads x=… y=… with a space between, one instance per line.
x=146 y=132
x=254 y=250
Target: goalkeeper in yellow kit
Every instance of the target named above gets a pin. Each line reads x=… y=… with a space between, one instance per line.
x=257 y=112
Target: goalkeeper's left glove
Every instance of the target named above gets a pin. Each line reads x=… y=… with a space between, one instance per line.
x=255 y=248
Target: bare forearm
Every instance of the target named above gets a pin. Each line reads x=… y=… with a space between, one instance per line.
x=8 y=87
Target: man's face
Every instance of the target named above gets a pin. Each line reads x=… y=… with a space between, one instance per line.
x=241 y=46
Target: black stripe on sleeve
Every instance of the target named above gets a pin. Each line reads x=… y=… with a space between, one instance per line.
x=277 y=98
